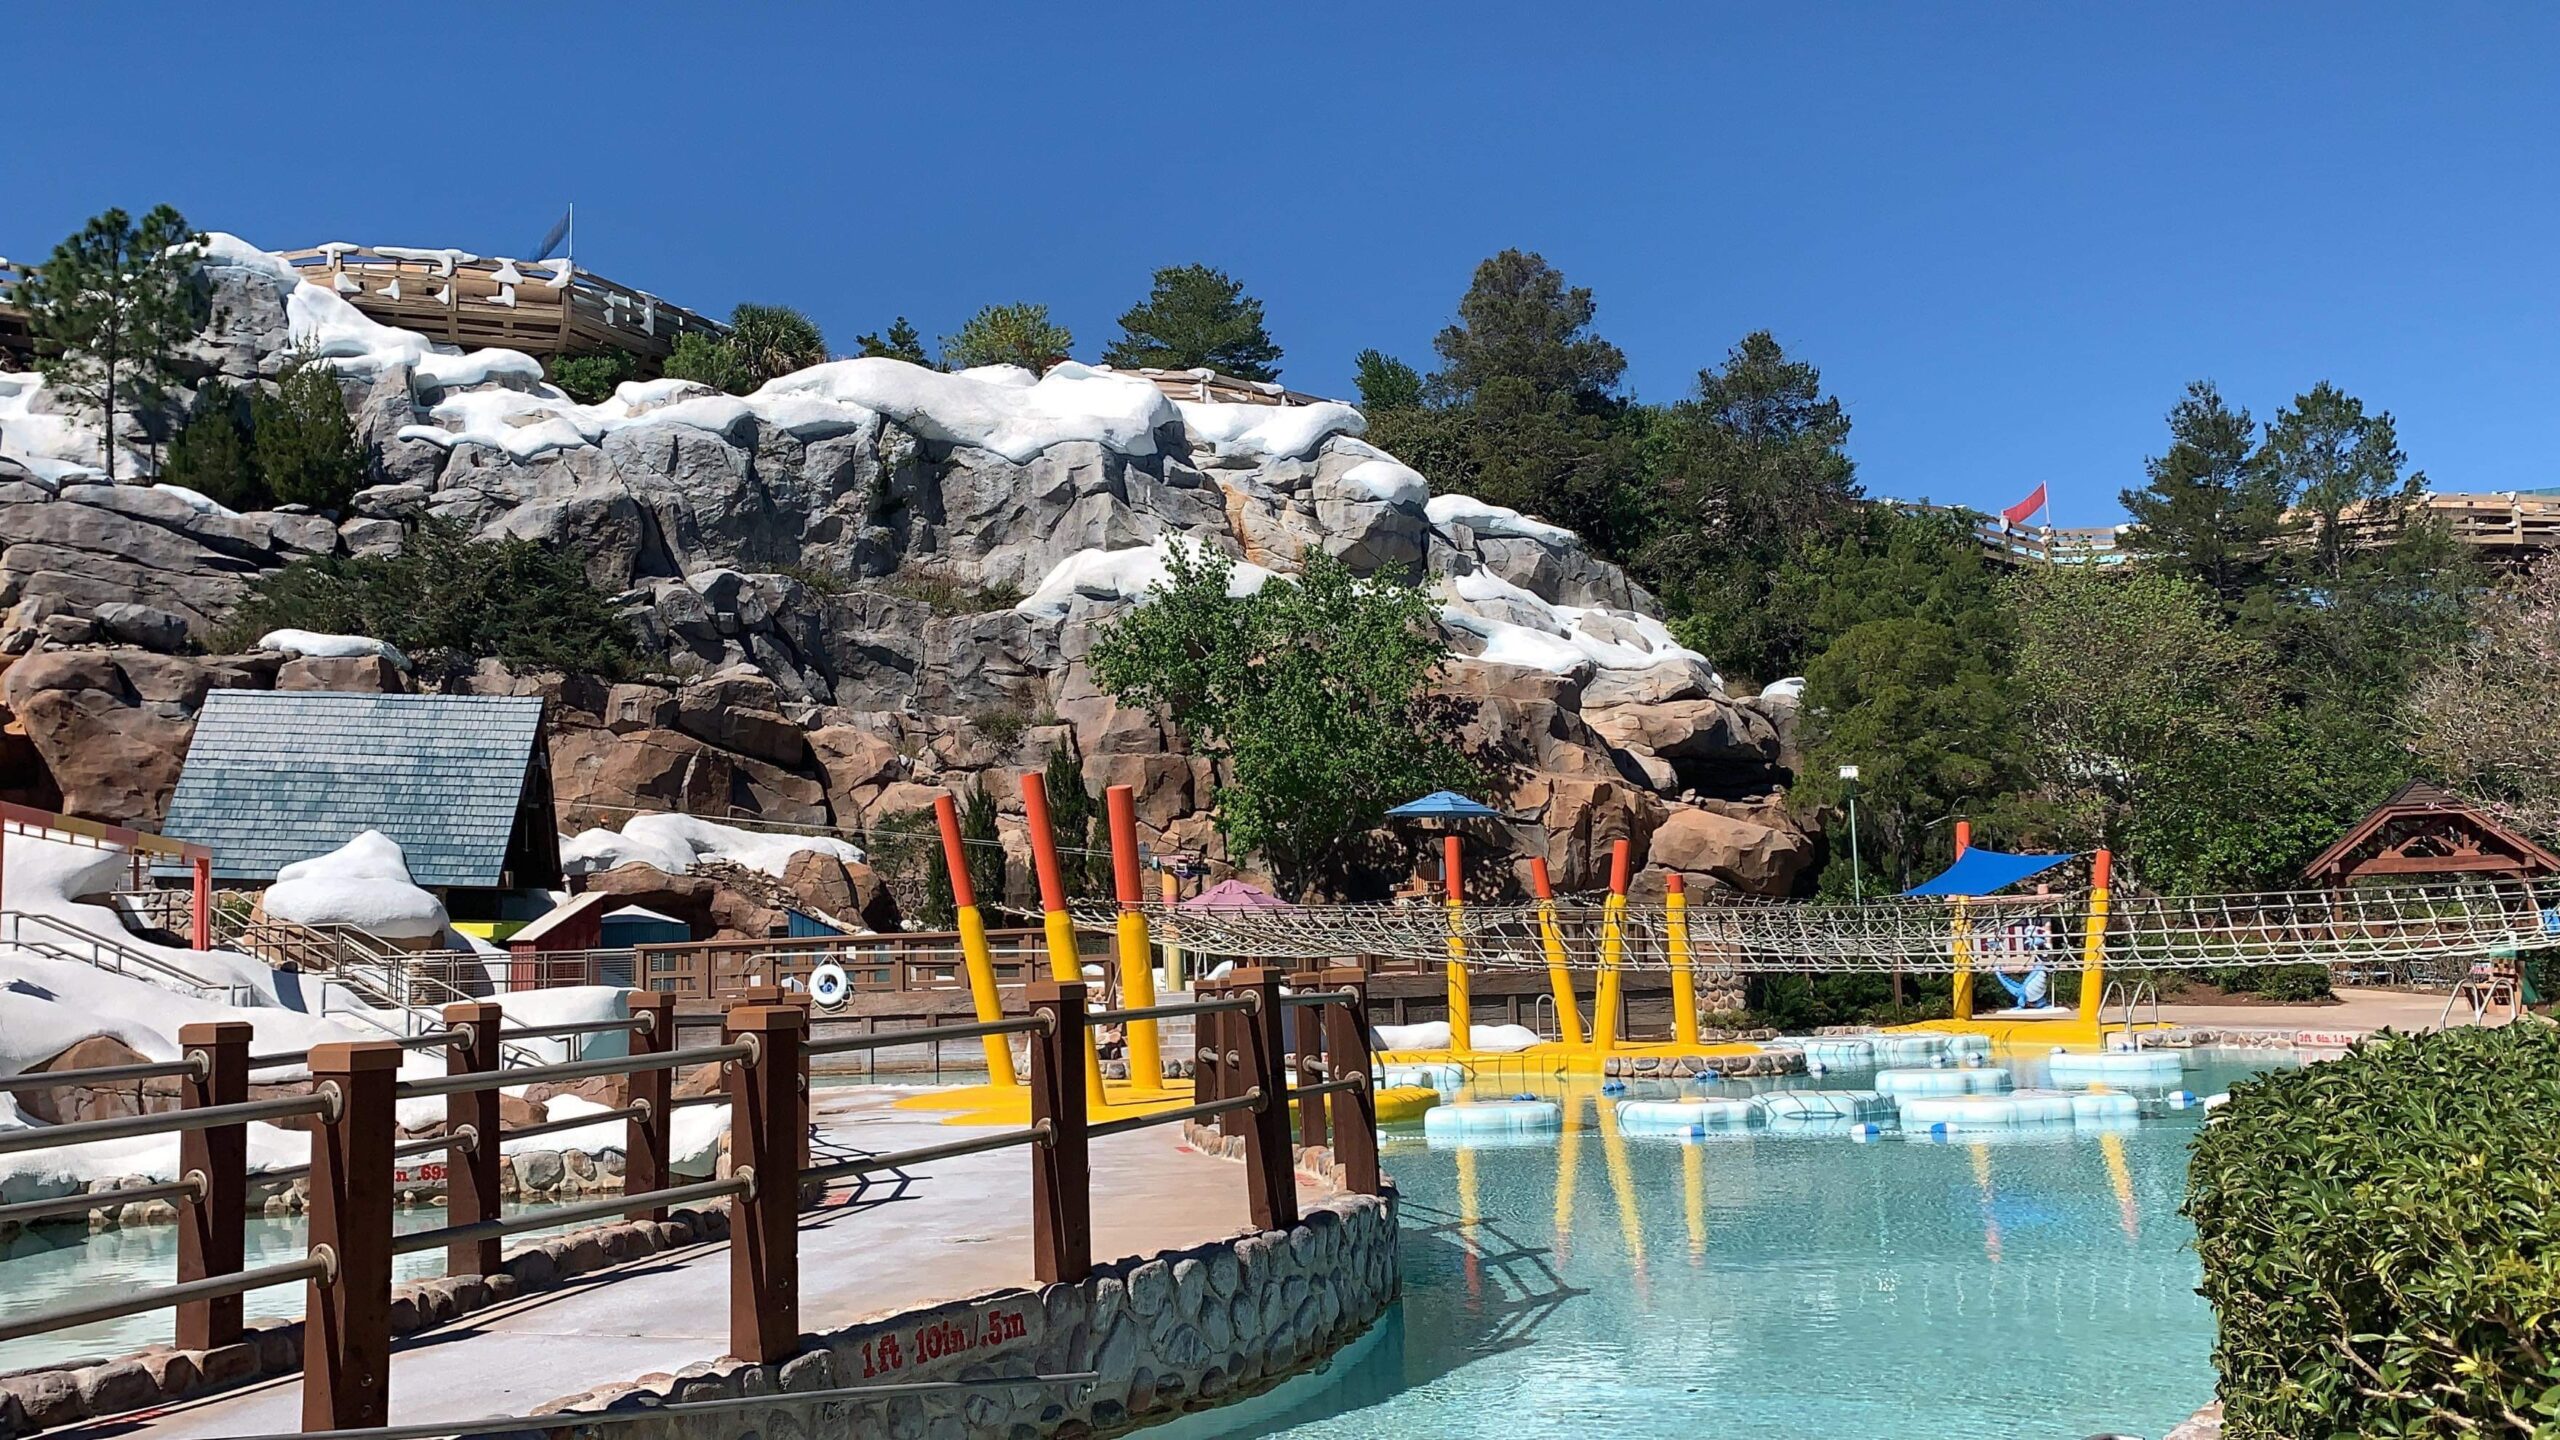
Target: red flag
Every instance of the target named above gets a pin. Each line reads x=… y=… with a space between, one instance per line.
x=2019 y=513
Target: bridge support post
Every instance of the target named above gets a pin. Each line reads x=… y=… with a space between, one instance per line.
x=1559 y=973
x=1355 y=1111
x=1962 y=938
x=1062 y=1167
x=1462 y=1004
x=646 y=1137
x=1606 y=1001
x=2093 y=948
x=766 y=1127
x=983 y=995
x=346 y=1327
x=211 y=1240
x=1684 y=981
x=1137 y=955
x=1270 y=1172
x=472 y=1151
x=1066 y=962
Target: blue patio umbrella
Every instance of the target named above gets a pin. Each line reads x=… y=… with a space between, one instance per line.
x=1444 y=805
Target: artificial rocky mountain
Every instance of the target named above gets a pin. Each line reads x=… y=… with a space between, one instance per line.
x=862 y=586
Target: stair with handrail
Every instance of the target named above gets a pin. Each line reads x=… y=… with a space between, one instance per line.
x=59 y=939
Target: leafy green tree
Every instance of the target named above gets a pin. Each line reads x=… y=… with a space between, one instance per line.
x=983 y=842
x=1196 y=316
x=1008 y=335
x=305 y=446
x=590 y=379
x=212 y=454
x=1313 y=697
x=2486 y=715
x=110 y=308
x=901 y=343
x=774 y=340
x=709 y=360
x=445 y=596
x=2211 y=510
x=1386 y=383
x=1519 y=321
x=2340 y=471
x=1750 y=473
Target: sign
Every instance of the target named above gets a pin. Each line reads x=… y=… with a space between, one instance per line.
x=829 y=985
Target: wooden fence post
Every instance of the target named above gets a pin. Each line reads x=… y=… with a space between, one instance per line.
x=471 y=1191
x=808 y=1005
x=1061 y=1170
x=1226 y=1034
x=346 y=1328
x=765 y=1130
x=1271 y=1178
x=1306 y=1044
x=647 y=1141
x=1355 y=1111
x=212 y=1239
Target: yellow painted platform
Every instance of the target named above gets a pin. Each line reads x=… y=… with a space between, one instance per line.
x=2066 y=1029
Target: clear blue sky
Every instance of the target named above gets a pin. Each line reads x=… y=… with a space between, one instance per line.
x=2007 y=234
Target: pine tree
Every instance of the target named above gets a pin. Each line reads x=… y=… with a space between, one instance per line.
x=305 y=448
x=110 y=308
x=1196 y=316
x=979 y=836
x=1008 y=335
x=2210 y=511
x=212 y=453
x=1518 y=321
x=1386 y=383
x=2339 y=469
x=772 y=341
x=902 y=343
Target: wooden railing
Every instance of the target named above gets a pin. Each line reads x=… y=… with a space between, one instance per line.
x=2506 y=523
x=875 y=964
x=1248 y=1086
x=542 y=308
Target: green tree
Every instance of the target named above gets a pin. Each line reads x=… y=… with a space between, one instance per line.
x=774 y=340
x=110 y=308
x=1076 y=819
x=1386 y=383
x=901 y=343
x=2211 y=510
x=983 y=842
x=1519 y=321
x=212 y=453
x=2486 y=715
x=306 y=447
x=1750 y=473
x=2339 y=470
x=709 y=360
x=1196 y=316
x=1008 y=335
x=1312 y=696
x=590 y=379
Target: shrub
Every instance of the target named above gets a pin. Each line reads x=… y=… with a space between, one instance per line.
x=2379 y=1244
x=710 y=361
x=2289 y=984
x=212 y=452
x=1008 y=335
x=305 y=447
x=590 y=379
x=446 y=596
x=774 y=340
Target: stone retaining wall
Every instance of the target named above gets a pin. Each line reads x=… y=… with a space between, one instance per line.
x=1181 y=1331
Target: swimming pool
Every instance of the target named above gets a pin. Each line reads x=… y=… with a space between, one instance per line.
x=1754 y=1283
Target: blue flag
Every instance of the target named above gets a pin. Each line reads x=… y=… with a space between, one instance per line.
x=551 y=241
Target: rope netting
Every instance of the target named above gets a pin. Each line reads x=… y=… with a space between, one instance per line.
x=2430 y=932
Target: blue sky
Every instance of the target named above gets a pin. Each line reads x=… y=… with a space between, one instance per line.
x=2008 y=234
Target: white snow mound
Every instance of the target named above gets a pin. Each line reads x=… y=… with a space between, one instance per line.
x=364 y=883
x=1485 y=519
x=331 y=647
x=1519 y=628
x=674 y=843
x=1282 y=432
x=1122 y=576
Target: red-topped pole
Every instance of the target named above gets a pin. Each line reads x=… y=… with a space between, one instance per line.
x=1066 y=965
x=1137 y=953
x=1551 y=939
x=1613 y=948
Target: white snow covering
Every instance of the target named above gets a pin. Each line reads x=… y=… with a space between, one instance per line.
x=1122 y=575
x=1283 y=432
x=53 y=448
x=196 y=500
x=331 y=647
x=364 y=883
x=1519 y=628
x=1789 y=691
x=1389 y=480
x=1434 y=1035
x=674 y=843
x=1486 y=519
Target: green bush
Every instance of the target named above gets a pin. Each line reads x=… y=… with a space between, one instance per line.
x=774 y=340
x=446 y=596
x=304 y=445
x=590 y=379
x=2289 y=984
x=709 y=361
x=212 y=453
x=2379 y=1243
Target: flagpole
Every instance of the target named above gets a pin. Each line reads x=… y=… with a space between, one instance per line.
x=570 y=254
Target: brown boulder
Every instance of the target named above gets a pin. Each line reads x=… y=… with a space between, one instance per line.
x=1686 y=732
x=112 y=749
x=96 y=1102
x=1746 y=854
x=858 y=764
x=358 y=674
x=833 y=888
x=742 y=711
x=714 y=910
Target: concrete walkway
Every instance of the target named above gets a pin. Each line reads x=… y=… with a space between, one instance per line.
x=2359 y=1011
x=948 y=1230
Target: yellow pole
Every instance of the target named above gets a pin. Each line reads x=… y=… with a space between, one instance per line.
x=1568 y=1166
x=1963 y=935
x=981 y=964
x=1461 y=989
x=1066 y=966
x=1137 y=957
x=1684 y=984
x=1693 y=1188
x=2093 y=947
x=1559 y=975
x=1172 y=952
x=1613 y=950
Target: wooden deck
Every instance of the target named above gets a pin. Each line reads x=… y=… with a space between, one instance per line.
x=2504 y=526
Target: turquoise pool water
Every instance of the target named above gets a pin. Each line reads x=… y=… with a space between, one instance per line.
x=1790 y=1287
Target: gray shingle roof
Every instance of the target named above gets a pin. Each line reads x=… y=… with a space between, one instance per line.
x=275 y=776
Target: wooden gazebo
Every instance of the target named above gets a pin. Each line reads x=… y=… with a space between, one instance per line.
x=2422 y=832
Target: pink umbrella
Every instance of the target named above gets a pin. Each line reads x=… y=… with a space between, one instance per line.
x=1234 y=895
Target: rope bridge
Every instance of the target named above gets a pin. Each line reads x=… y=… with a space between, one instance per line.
x=2422 y=932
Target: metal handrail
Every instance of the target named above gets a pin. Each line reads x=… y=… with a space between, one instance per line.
x=1246 y=1001
x=1330 y=1087
x=319 y=1265
x=891 y=1039
x=637 y=1110
x=195 y=1064
x=206 y=1117
x=1249 y=1100
x=1328 y=997
x=192 y=1187
x=465 y=1138
x=1043 y=1133
x=641 y=1022
x=476 y=1080
x=739 y=1184
x=124 y=954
